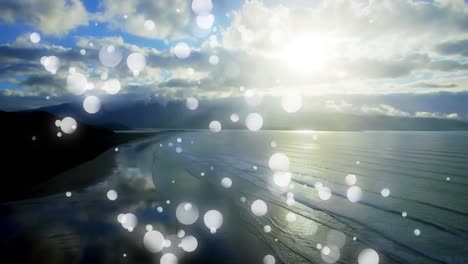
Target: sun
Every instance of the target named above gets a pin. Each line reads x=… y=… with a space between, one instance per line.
x=307 y=53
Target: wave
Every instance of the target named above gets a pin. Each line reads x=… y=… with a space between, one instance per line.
x=375 y=221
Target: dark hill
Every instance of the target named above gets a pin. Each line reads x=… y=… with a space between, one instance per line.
x=26 y=162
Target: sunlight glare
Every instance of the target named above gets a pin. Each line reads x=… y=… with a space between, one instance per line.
x=307 y=53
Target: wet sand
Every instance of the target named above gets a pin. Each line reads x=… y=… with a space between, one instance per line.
x=84 y=228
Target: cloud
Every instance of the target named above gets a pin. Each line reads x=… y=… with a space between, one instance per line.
x=357 y=28
x=19 y=59
x=433 y=104
x=44 y=84
x=432 y=85
x=338 y=105
x=448 y=65
x=382 y=46
x=437 y=115
x=54 y=17
x=427 y=114
x=171 y=17
x=369 y=41
x=386 y=68
x=456 y=47
x=21 y=64
x=383 y=109
x=452 y=116
x=181 y=83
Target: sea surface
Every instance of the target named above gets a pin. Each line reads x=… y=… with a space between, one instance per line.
x=310 y=217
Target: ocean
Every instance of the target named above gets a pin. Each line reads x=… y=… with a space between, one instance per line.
x=293 y=196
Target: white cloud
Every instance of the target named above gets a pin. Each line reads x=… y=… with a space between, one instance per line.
x=170 y=17
x=381 y=109
x=379 y=46
x=338 y=105
x=356 y=40
x=452 y=116
x=380 y=27
x=384 y=110
x=437 y=115
x=163 y=71
x=427 y=114
x=55 y=17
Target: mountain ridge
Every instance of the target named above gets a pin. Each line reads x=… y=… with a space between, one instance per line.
x=175 y=115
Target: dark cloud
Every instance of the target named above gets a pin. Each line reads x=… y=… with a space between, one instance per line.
x=433 y=85
x=44 y=84
x=22 y=63
x=197 y=60
x=448 y=65
x=179 y=83
x=380 y=68
x=387 y=68
x=458 y=47
x=11 y=52
x=9 y=70
x=22 y=60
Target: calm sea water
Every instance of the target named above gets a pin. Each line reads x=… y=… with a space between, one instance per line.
x=424 y=173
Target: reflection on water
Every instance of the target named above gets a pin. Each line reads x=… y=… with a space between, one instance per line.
x=323 y=203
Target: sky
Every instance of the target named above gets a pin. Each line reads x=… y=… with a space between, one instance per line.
x=395 y=57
